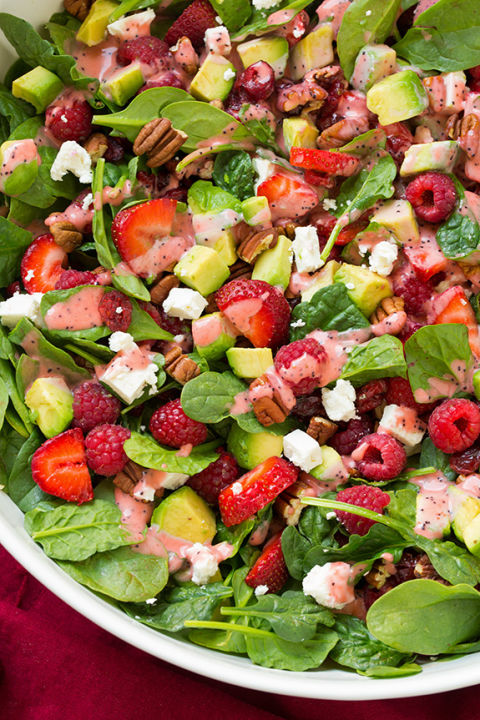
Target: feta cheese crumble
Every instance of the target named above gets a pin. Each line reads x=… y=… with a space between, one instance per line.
x=383 y=257
x=204 y=564
x=184 y=303
x=126 y=380
x=236 y=488
x=229 y=74
x=263 y=168
x=73 y=158
x=120 y=341
x=217 y=40
x=339 y=403
x=21 y=305
x=306 y=249
x=302 y=450
x=127 y=28
x=87 y=201
x=261 y=590
x=329 y=204
x=329 y=585
x=403 y=424
x=264 y=4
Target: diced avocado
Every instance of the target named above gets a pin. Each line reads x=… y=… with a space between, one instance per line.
x=331 y=467
x=476 y=384
x=398 y=217
x=202 y=269
x=249 y=363
x=92 y=30
x=373 y=63
x=272 y=49
x=212 y=336
x=299 y=132
x=440 y=155
x=397 y=97
x=251 y=449
x=355 y=251
x=466 y=509
x=39 y=87
x=186 y=515
x=274 y=266
x=368 y=288
x=471 y=535
x=22 y=174
x=446 y=92
x=438 y=521
x=225 y=246
x=123 y=83
x=214 y=79
x=256 y=210
x=315 y=50
x=324 y=278
x=51 y=403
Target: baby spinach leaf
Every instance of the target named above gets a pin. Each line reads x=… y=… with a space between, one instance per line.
x=8 y=376
x=15 y=110
x=236 y=534
x=233 y=172
x=403 y=505
x=313 y=531
x=458 y=236
x=258 y=20
x=45 y=191
x=261 y=130
x=357 y=648
x=270 y=650
x=143 y=450
x=127 y=6
x=53 y=297
x=364 y=144
x=451 y=561
x=13 y=243
x=27 y=129
x=21 y=488
x=234 y=13
x=387 y=671
x=144 y=327
x=380 y=357
x=432 y=456
x=204 y=197
x=209 y=397
x=201 y=122
x=10 y=444
x=131 y=285
x=4 y=398
x=329 y=309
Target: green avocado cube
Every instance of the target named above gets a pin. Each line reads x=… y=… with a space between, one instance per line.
x=249 y=363
x=256 y=210
x=39 y=87
x=226 y=247
x=272 y=49
x=398 y=217
x=51 y=403
x=214 y=79
x=299 y=132
x=466 y=509
x=476 y=384
x=202 y=269
x=471 y=535
x=184 y=514
x=373 y=63
x=123 y=83
x=212 y=336
x=397 y=97
x=251 y=449
x=441 y=155
x=331 y=467
x=274 y=266
x=323 y=278
x=315 y=50
x=364 y=287
x=92 y=30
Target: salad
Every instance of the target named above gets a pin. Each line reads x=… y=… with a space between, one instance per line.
x=239 y=339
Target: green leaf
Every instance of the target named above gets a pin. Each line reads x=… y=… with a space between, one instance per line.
x=44 y=191
x=258 y=20
x=201 y=122
x=144 y=327
x=143 y=450
x=236 y=534
x=260 y=129
x=358 y=649
x=131 y=285
x=15 y=110
x=27 y=129
x=386 y=671
x=204 y=197
x=272 y=651
x=4 y=397
x=8 y=376
x=458 y=236
x=432 y=456
x=13 y=243
x=127 y=6
x=313 y=531
x=452 y=562
x=233 y=172
x=210 y=396
x=403 y=504
x=53 y=297
x=21 y=488
x=380 y=357
x=234 y=13
x=329 y=309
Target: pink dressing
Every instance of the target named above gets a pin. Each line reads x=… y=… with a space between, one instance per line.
x=207 y=329
x=135 y=514
x=79 y=312
x=184 y=450
x=299 y=282
x=208 y=227
x=18 y=153
x=137 y=26
x=99 y=61
x=460 y=379
x=339 y=583
x=332 y=11
x=392 y=324
x=337 y=346
x=163 y=253
x=241 y=313
x=43 y=366
x=303 y=367
x=280 y=17
x=241 y=403
x=433 y=505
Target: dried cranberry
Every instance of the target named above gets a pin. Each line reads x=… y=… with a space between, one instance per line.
x=258 y=80
x=114 y=152
x=307 y=406
x=371 y=395
x=399 y=139
x=345 y=441
x=467 y=461
x=234 y=103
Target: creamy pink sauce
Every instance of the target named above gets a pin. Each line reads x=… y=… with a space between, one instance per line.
x=281 y=16
x=432 y=505
x=184 y=450
x=18 y=153
x=332 y=11
x=339 y=582
x=460 y=379
x=392 y=324
x=299 y=282
x=137 y=26
x=274 y=385
x=241 y=403
x=79 y=312
x=99 y=61
x=208 y=227
x=134 y=358
x=206 y=330
x=241 y=313
x=135 y=514
x=163 y=253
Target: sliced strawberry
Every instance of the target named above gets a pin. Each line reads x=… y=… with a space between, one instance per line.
x=452 y=306
x=287 y=196
x=332 y=163
x=135 y=229
x=251 y=492
x=194 y=20
x=312 y=177
x=59 y=467
x=258 y=311
x=270 y=569
x=42 y=264
x=426 y=257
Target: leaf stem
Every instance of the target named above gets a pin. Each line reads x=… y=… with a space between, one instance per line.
x=212 y=625
x=354 y=510
x=331 y=240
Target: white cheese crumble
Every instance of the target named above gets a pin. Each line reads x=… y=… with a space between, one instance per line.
x=261 y=590
x=217 y=40
x=203 y=562
x=383 y=257
x=403 y=424
x=120 y=341
x=264 y=4
x=264 y=168
x=151 y=601
x=21 y=305
x=302 y=450
x=339 y=403
x=329 y=204
x=172 y=481
x=229 y=74
x=126 y=28
x=236 y=488
x=328 y=585
x=73 y=158
x=184 y=303
x=127 y=382
x=306 y=249
x=87 y=201
x=298 y=323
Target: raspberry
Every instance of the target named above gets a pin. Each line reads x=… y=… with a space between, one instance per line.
x=169 y=425
x=475 y=72
x=364 y=496
x=210 y=482
x=72 y=278
x=454 y=425
x=93 y=405
x=345 y=441
x=399 y=392
x=432 y=195
x=116 y=311
x=147 y=49
x=379 y=457
x=408 y=330
x=399 y=139
x=167 y=79
x=414 y=291
x=70 y=122
x=371 y=395
x=467 y=461
x=301 y=364
x=194 y=20
x=104 y=447
x=258 y=80
x=114 y=152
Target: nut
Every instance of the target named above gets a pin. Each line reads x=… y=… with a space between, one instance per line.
x=161 y=289
x=321 y=429
x=387 y=307
x=288 y=505
x=179 y=366
x=96 y=146
x=378 y=575
x=185 y=56
x=268 y=410
x=211 y=306
x=240 y=270
x=66 y=235
x=78 y=8
x=159 y=140
x=129 y=478
x=469 y=134
x=256 y=242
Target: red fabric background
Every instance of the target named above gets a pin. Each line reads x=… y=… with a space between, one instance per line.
x=56 y=665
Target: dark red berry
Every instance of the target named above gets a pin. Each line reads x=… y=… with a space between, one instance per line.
x=258 y=80
x=70 y=122
x=72 y=278
x=13 y=288
x=414 y=291
x=301 y=365
x=93 y=405
x=169 y=425
x=116 y=311
x=399 y=139
x=379 y=457
x=408 y=330
x=399 y=392
x=371 y=395
x=432 y=196
x=345 y=441
x=115 y=151
x=364 y=496
x=307 y=406
x=210 y=482
x=104 y=448
x=454 y=425
x=147 y=49
x=167 y=79
x=466 y=462
x=194 y=20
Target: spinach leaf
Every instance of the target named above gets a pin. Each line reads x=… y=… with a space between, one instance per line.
x=27 y=129
x=432 y=456
x=8 y=376
x=201 y=122
x=387 y=671
x=452 y=562
x=363 y=145
x=234 y=535
x=357 y=648
x=204 y=197
x=437 y=358
x=210 y=396
x=403 y=505
x=258 y=20
x=21 y=488
x=4 y=397
x=15 y=110
x=234 y=13
x=131 y=285
x=365 y=21
x=53 y=297
x=107 y=253
x=313 y=531
x=260 y=130
x=127 y=6
x=45 y=191
x=144 y=327
x=13 y=243
x=233 y=172
x=269 y=650
x=380 y=357
x=458 y=236
x=329 y=309
x=424 y=616
x=10 y=445
x=143 y=450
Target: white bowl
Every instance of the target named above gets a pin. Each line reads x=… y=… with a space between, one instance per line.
x=325 y=684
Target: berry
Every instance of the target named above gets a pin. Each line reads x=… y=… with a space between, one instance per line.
x=312 y=177
x=364 y=496
x=307 y=406
x=258 y=80
x=301 y=364
x=258 y=311
x=257 y=488
x=146 y=48
x=432 y=195
x=475 y=72
x=399 y=139
x=59 y=467
x=414 y=291
x=409 y=329
x=114 y=152
x=72 y=278
x=70 y=122
x=345 y=441
x=169 y=425
x=467 y=461
x=399 y=392
x=93 y=405
x=104 y=446
x=379 y=457
x=115 y=309
x=42 y=263
x=13 y=288
x=332 y=163
x=371 y=395
x=270 y=568
x=452 y=306
x=167 y=79
x=194 y=20
x=454 y=425
x=218 y=475
x=287 y=195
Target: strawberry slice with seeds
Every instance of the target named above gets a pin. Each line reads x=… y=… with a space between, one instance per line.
x=194 y=20
x=270 y=569
x=251 y=492
x=59 y=467
x=332 y=163
x=452 y=306
x=287 y=196
x=42 y=264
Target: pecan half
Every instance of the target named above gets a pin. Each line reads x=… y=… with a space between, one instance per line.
x=469 y=134
x=78 y=8
x=179 y=366
x=185 y=55
x=159 y=140
x=240 y=270
x=268 y=410
x=387 y=307
x=66 y=235
x=128 y=479
x=96 y=146
x=288 y=505
x=321 y=429
x=256 y=242
x=160 y=290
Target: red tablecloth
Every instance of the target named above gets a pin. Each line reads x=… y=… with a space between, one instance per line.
x=56 y=665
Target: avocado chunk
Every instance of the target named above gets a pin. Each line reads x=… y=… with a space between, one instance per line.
x=274 y=266
x=186 y=515
x=466 y=510
x=299 y=132
x=368 y=288
x=21 y=172
x=438 y=521
x=315 y=50
x=51 y=403
x=212 y=336
x=39 y=87
x=214 y=79
x=226 y=247
x=273 y=50
x=398 y=217
x=123 y=83
x=92 y=30
x=323 y=278
x=256 y=210
x=373 y=63
x=397 y=97
x=251 y=449
x=249 y=363
x=331 y=467
x=476 y=384
x=439 y=155
x=202 y=269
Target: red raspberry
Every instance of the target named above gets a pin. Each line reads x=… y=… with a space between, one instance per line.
x=408 y=330
x=414 y=291
x=364 y=496
x=169 y=425
x=454 y=425
x=301 y=365
x=210 y=482
x=72 y=278
x=168 y=79
x=147 y=49
x=345 y=441
x=70 y=122
x=116 y=311
x=371 y=395
x=194 y=20
x=93 y=405
x=379 y=457
x=104 y=447
x=467 y=461
x=399 y=392
x=432 y=195
x=114 y=152
x=258 y=80
x=399 y=139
